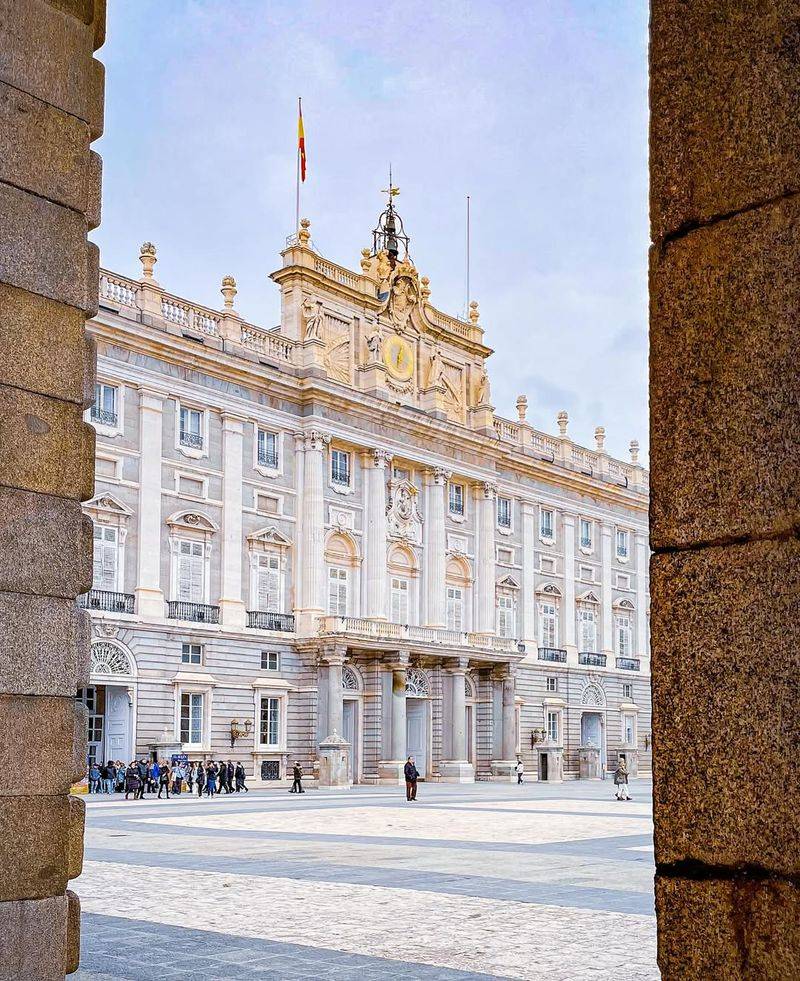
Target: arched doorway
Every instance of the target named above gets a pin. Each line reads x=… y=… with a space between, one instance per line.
x=109 y=699
x=593 y=720
x=352 y=719
x=418 y=691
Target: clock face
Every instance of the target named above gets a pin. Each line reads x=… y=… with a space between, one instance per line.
x=398 y=357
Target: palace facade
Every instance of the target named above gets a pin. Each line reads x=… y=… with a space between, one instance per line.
x=324 y=528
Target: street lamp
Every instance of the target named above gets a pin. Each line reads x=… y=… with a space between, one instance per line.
x=537 y=736
x=237 y=732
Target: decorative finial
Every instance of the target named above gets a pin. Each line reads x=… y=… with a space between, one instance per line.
x=366 y=260
x=147 y=257
x=391 y=190
x=563 y=422
x=600 y=439
x=634 y=451
x=474 y=316
x=303 y=233
x=522 y=407
x=229 y=291
x=425 y=288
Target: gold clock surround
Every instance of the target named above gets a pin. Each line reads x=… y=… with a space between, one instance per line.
x=398 y=356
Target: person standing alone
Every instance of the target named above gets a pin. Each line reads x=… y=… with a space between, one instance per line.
x=621 y=780
x=412 y=775
x=520 y=769
x=297 y=777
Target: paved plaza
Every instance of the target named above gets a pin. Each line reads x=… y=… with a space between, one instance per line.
x=485 y=880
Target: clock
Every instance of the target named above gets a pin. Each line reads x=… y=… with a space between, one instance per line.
x=398 y=356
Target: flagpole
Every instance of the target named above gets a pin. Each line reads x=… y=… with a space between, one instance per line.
x=297 y=187
x=466 y=302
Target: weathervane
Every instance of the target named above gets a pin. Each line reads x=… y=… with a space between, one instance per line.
x=391 y=190
x=390 y=236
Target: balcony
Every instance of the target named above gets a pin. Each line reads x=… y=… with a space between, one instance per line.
x=193 y=440
x=283 y=622
x=553 y=654
x=628 y=663
x=103 y=417
x=196 y=612
x=102 y=599
x=268 y=458
x=402 y=633
x=592 y=659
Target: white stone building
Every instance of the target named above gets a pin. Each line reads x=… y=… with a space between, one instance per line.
x=324 y=526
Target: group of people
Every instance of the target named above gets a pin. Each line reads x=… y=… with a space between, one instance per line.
x=150 y=776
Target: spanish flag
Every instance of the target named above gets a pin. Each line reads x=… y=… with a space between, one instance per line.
x=301 y=141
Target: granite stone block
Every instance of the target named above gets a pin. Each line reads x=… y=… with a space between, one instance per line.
x=42 y=744
x=726 y=705
x=94 y=190
x=77 y=826
x=36 y=840
x=44 y=645
x=723 y=343
x=725 y=108
x=45 y=445
x=44 y=919
x=73 y=945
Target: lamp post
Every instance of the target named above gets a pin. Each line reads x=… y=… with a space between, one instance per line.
x=237 y=731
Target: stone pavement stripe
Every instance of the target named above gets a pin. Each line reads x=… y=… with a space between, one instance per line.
x=489 y=887
x=501 y=938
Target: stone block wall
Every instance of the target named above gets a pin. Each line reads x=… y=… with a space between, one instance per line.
x=51 y=108
x=725 y=506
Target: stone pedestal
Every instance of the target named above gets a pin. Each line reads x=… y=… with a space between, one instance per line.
x=163 y=749
x=631 y=756
x=391 y=772
x=456 y=771
x=589 y=763
x=333 y=767
x=551 y=764
x=503 y=771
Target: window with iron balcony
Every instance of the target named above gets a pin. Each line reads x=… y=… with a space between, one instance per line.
x=504 y=512
x=191 y=428
x=455 y=498
x=104 y=409
x=267 y=449
x=340 y=468
x=586 y=537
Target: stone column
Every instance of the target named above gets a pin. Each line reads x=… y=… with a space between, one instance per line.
x=725 y=455
x=375 y=462
x=484 y=494
x=334 y=660
x=313 y=554
x=435 y=557
x=607 y=625
x=391 y=771
x=51 y=91
x=149 y=594
x=568 y=613
x=232 y=607
x=458 y=769
x=503 y=768
x=528 y=600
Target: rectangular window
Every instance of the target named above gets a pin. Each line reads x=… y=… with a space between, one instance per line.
x=267 y=449
x=623 y=580
x=190 y=487
x=623 y=635
x=337 y=592
x=546 y=565
x=546 y=524
x=622 y=544
x=192 y=653
x=267 y=504
x=629 y=730
x=268 y=583
x=548 y=625
x=399 y=600
x=455 y=608
x=551 y=684
x=552 y=726
x=505 y=617
x=192 y=718
x=586 y=533
x=270 y=727
x=104 y=410
x=627 y=691
x=340 y=468
x=191 y=572
x=504 y=512
x=586 y=572
x=587 y=631
x=455 y=498
x=270 y=661
x=505 y=556
x=106 y=556
x=191 y=428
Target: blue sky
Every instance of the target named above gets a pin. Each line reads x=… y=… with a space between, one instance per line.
x=535 y=108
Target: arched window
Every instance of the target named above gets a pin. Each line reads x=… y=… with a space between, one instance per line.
x=417 y=684
x=341 y=561
x=593 y=695
x=109 y=659
x=458 y=580
x=350 y=679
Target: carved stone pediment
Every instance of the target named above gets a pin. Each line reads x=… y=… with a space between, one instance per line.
x=402 y=512
x=269 y=536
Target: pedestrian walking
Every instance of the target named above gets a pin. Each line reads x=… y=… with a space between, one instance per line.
x=163 y=780
x=153 y=776
x=178 y=773
x=110 y=778
x=240 y=775
x=142 y=769
x=133 y=781
x=200 y=777
x=191 y=775
x=121 y=770
x=519 y=769
x=621 y=780
x=230 y=776
x=211 y=779
x=297 y=779
x=94 y=778
x=412 y=775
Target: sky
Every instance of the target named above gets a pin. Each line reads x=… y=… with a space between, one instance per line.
x=536 y=109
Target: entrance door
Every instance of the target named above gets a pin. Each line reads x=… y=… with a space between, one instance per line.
x=417 y=733
x=92 y=698
x=470 y=735
x=118 y=718
x=592 y=732
x=350 y=727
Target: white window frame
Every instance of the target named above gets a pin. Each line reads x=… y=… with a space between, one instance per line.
x=548 y=614
x=118 y=553
x=268 y=655
x=553 y=725
x=342 y=576
x=551 y=683
x=586 y=541
x=586 y=614
x=117 y=427
x=399 y=587
x=194 y=452
x=629 y=718
x=627 y=539
x=543 y=536
x=627 y=690
x=266 y=695
x=505 y=529
x=175 y=551
x=337 y=486
x=455 y=603
x=264 y=468
x=203 y=695
x=273 y=556
x=623 y=633
x=187 y=656
x=454 y=488
x=506 y=616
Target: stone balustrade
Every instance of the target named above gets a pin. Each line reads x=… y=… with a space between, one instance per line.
x=382 y=630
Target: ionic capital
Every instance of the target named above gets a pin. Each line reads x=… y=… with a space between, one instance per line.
x=485 y=490
x=380 y=458
x=315 y=439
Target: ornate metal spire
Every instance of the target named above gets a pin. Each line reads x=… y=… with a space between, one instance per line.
x=390 y=235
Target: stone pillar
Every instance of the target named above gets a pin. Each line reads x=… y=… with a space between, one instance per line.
x=484 y=494
x=458 y=769
x=313 y=554
x=725 y=455
x=334 y=661
x=51 y=92
x=607 y=616
x=375 y=462
x=391 y=771
x=435 y=557
x=528 y=602
x=149 y=594
x=568 y=613
x=232 y=607
x=642 y=648
x=503 y=768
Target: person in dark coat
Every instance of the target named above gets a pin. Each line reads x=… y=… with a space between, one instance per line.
x=240 y=778
x=297 y=779
x=200 y=776
x=142 y=769
x=230 y=774
x=132 y=781
x=412 y=775
x=211 y=779
x=163 y=780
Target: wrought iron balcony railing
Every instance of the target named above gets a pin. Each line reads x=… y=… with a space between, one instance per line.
x=268 y=458
x=628 y=663
x=552 y=654
x=108 y=602
x=105 y=417
x=270 y=621
x=192 y=440
x=197 y=612
x=592 y=659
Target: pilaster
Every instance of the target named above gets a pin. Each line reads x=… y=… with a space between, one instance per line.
x=484 y=494
x=375 y=462
x=149 y=594
x=606 y=539
x=232 y=607
x=568 y=613
x=457 y=769
x=313 y=531
x=435 y=558
x=391 y=771
x=528 y=626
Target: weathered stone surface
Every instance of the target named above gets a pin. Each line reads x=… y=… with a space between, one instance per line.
x=77 y=825
x=45 y=545
x=82 y=9
x=42 y=743
x=725 y=108
x=27 y=353
x=44 y=645
x=726 y=718
x=723 y=342
x=36 y=835
x=48 y=150
x=94 y=190
x=745 y=929
x=45 y=445
x=73 y=952
x=21 y=957
x=43 y=248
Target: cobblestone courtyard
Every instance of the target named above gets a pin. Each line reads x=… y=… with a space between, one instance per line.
x=484 y=880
